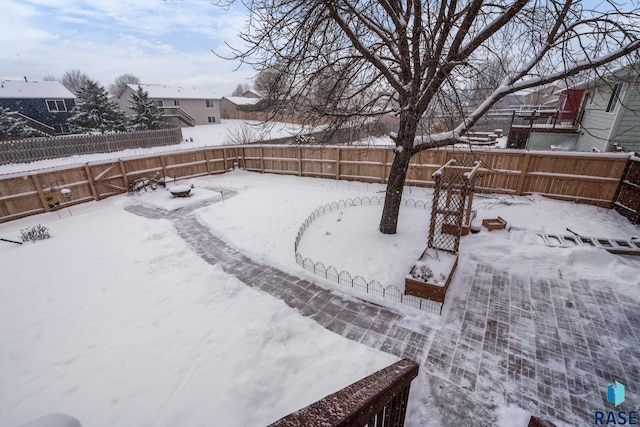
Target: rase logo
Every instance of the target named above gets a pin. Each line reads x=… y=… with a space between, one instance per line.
x=615 y=396
x=615 y=393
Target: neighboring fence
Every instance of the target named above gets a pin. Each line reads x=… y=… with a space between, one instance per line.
x=359 y=283
x=377 y=400
x=582 y=177
x=339 y=136
x=33 y=149
x=627 y=197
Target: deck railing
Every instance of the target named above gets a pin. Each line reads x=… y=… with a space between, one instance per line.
x=378 y=400
x=545 y=120
x=180 y=114
x=38 y=126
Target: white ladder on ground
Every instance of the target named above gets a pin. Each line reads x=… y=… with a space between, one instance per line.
x=616 y=246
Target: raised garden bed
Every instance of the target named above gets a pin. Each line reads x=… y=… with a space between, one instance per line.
x=494 y=223
x=431 y=275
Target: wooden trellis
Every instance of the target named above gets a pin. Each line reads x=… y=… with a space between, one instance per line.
x=451 y=208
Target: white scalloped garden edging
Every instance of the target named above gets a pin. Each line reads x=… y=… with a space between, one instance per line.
x=357 y=282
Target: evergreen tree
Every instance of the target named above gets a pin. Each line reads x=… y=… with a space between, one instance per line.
x=11 y=127
x=94 y=112
x=148 y=115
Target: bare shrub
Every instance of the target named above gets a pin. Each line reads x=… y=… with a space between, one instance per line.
x=36 y=232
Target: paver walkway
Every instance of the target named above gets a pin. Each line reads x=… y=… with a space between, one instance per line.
x=372 y=325
x=548 y=346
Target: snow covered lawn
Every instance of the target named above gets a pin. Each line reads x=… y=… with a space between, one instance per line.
x=115 y=321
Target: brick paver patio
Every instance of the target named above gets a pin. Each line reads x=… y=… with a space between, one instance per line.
x=548 y=346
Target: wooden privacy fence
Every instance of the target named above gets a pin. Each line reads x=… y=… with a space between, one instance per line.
x=33 y=149
x=627 y=198
x=582 y=177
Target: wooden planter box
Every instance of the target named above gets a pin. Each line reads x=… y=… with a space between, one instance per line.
x=426 y=290
x=494 y=223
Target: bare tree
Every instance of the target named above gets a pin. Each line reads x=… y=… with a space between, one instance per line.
x=487 y=76
x=121 y=82
x=413 y=58
x=268 y=81
x=74 y=80
x=49 y=78
x=240 y=89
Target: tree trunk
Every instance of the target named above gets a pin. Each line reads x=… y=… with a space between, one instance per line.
x=393 y=196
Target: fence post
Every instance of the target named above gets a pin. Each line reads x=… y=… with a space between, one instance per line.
x=92 y=185
x=207 y=162
x=299 y=160
x=384 y=165
x=36 y=182
x=224 y=159
x=123 y=170
x=523 y=173
x=338 y=162
x=163 y=165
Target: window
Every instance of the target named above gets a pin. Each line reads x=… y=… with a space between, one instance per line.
x=211 y=119
x=209 y=103
x=615 y=97
x=56 y=105
x=62 y=128
x=158 y=103
x=176 y=102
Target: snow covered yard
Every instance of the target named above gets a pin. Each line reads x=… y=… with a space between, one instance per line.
x=116 y=320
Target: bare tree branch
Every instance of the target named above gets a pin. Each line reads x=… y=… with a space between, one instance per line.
x=340 y=61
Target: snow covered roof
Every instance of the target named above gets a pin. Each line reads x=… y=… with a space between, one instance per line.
x=33 y=89
x=240 y=100
x=252 y=93
x=176 y=92
x=605 y=78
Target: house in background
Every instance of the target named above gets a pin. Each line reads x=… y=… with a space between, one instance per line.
x=247 y=106
x=181 y=105
x=610 y=115
x=599 y=114
x=44 y=105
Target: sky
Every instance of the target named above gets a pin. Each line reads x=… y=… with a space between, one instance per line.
x=161 y=42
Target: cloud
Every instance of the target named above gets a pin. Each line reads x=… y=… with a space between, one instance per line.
x=160 y=41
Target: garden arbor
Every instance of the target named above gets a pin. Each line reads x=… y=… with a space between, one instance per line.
x=451 y=207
